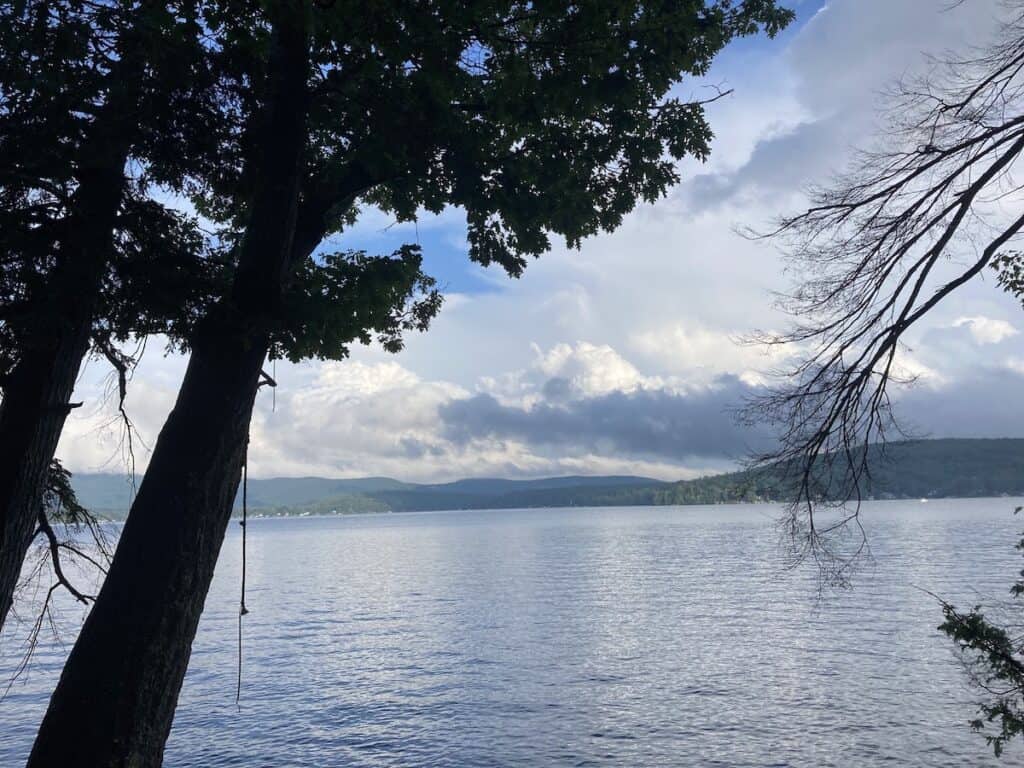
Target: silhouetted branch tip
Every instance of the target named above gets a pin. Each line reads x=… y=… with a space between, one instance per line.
x=867 y=251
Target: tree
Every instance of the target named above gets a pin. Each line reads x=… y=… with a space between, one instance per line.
x=145 y=269
x=914 y=219
x=535 y=118
x=75 y=77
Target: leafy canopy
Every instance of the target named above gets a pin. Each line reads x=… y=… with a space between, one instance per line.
x=535 y=118
x=73 y=73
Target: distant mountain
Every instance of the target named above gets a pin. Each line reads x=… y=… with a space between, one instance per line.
x=111 y=494
x=491 y=486
x=285 y=491
x=486 y=493
x=909 y=469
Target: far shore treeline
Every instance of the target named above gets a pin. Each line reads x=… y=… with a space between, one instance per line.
x=906 y=470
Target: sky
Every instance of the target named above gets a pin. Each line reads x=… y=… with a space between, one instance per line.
x=623 y=356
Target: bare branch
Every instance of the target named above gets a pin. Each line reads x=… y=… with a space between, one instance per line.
x=62 y=580
x=873 y=253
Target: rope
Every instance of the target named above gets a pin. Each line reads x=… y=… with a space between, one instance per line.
x=242 y=610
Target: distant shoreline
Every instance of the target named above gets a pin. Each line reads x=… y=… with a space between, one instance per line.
x=105 y=516
x=931 y=469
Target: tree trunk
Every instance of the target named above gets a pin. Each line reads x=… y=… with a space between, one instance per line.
x=38 y=390
x=115 y=701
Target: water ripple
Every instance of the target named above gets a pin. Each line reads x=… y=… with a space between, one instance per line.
x=612 y=637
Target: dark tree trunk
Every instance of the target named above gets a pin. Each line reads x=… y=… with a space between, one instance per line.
x=38 y=390
x=37 y=393
x=115 y=701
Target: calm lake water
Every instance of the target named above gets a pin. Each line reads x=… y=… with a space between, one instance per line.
x=633 y=637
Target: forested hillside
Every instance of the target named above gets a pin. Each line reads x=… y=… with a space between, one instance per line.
x=911 y=469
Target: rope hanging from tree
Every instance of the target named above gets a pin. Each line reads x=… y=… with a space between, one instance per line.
x=242 y=610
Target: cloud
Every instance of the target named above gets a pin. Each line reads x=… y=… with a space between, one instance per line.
x=575 y=408
x=851 y=49
x=983 y=403
x=591 y=369
x=840 y=63
x=638 y=423
x=778 y=169
x=679 y=428
x=701 y=354
x=352 y=418
x=986 y=330
x=94 y=436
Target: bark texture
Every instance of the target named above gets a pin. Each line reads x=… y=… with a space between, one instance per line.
x=115 y=701
x=37 y=393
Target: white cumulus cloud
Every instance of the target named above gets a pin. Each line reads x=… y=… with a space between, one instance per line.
x=986 y=330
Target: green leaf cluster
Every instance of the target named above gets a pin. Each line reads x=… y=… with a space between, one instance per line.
x=345 y=297
x=1009 y=266
x=993 y=652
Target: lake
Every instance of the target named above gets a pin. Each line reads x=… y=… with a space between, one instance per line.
x=655 y=636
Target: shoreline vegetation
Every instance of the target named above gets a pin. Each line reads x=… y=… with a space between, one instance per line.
x=925 y=469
